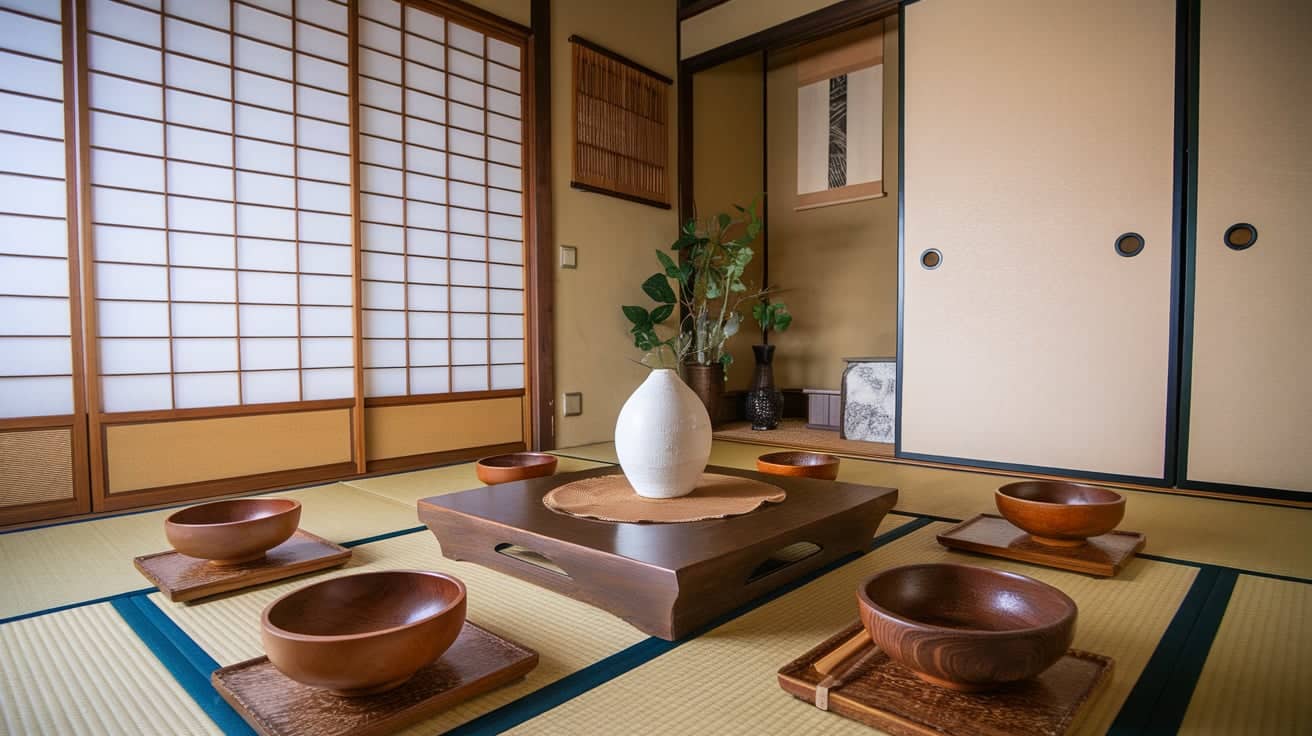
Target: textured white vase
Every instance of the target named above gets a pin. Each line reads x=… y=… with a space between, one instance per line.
x=663 y=437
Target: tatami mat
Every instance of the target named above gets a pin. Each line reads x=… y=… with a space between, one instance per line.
x=1258 y=672
x=409 y=488
x=59 y=565
x=1248 y=536
x=567 y=634
x=83 y=671
x=724 y=681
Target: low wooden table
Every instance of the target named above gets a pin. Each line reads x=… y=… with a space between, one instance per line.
x=665 y=579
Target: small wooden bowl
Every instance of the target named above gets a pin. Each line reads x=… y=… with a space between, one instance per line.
x=515 y=466
x=363 y=634
x=966 y=628
x=799 y=465
x=1059 y=513
x=233 y=532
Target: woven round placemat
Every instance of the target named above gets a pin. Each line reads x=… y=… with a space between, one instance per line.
x=611 y=498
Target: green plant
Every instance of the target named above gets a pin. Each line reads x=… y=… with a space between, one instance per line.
x=712 y=257
x=772 y=317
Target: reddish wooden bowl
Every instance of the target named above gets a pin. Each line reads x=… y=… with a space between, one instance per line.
x=1060 y=513
x=363 y=634
x=233 y=532
x=799 y=464
x=515 y=466
x=966 y=628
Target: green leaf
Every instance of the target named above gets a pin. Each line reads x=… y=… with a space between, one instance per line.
x=658 y=288
x=671 y=269
x=637 y=315
x=726 y=360
x=683 y=242
x=782 y=320
x=713 y=289
x=723 y=220
x=661 y=313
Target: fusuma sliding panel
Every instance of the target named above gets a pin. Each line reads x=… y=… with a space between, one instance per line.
x=220 y=202
x=1037 y=134
x=36 y=327
x=442 y=204
x=1249 y=404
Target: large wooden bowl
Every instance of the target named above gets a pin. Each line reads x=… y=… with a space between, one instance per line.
x=515 y=466
x=966 y=628
x=1060 y=513
x=233 y=532
x=799 y=464
x=363 y=634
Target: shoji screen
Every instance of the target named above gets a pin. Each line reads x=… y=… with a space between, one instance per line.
x=220 y=202
x=41 y=420
x=441 y=206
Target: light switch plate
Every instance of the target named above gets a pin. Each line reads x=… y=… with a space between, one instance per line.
x=569 y=256
x=573 y=404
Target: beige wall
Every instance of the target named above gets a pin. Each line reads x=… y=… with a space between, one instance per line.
x=727 y=164
x=836 y=264
x=737 y=18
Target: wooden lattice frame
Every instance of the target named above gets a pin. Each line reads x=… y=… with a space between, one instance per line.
x=621 y=126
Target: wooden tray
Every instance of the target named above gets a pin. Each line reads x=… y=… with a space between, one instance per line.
x=990 y=534
x=275 y=705
x=887 y=696
x=184 y=578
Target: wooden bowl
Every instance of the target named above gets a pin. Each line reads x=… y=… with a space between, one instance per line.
x=233 y=532
x=1060 y=513
x=966 y=628
x=363 y=634
x=799 y=464
x=515 y=466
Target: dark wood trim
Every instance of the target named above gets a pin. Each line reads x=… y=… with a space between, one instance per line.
x=430 y=459
x=358 y=437
x=413 y=399
x=43 y=510
x=541 y=248
x=220 y=412
x=53 y=422
x=697 y=7
x=227 y=486
x=619 y=195
x=473 y=16
x=621 y=58
x=823 y=22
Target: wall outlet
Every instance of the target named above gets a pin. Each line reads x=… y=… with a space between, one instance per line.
x=573 y=404
x=569 y=256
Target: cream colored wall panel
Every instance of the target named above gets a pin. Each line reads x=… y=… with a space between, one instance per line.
x=1036 y=133
x=418 y=429
x=156 y=454
x=36 y=466
x=1250 y=404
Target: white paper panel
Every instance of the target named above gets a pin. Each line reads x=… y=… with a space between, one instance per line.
x=504 y=326
x=320 y=104
x=327 y=352
x=504 y=152
x=470 y=378
x=507 y=376
x=28 y=115
x=321 y=42
x=424 y=215
x=126 y=59
x=322 y=165
x=428 y=324
x=211 y=12
x=467 y=299
x=268 y=222
x=203 y=285
x=425 y=106
x=263 y=91
x=134 y=356
x=132 y=319
x=258 y=287
x=378 y=237
x=506 y=226
x=34 y=397
x=383 y=295
x=33 y=276
x=465 y=273
x=323 y=12
x=23 y=155
x=199 y=146
x=468 y=169
x=262 y=57
x=190 y=249
x=383 y=266
x=383 y=324
x=204 y=320
x=469 y=118
x=320 y=73
x=430 y=380
x=502 y=77
x=471 y=222
x=426 y=243
x=506 y=251
x=124 y=21
x=326 y=321
x=468 y=195
x=421 y=132
x=432 y=298
x=425 y=161
x=282 y=7
x=504 y=103
x=380 y=123
x=505 y=177
x=204 y=354
x=128 y=244
x=33 y=316
x=128 y=170
x=506 y=277
x=376 y=208
x=198 y=111
x=201 y=76
x=380 y=37
x=384 y=382
x=422 y=270
x=469 y=325
x=468 y=247
x=326 y=290
x=326 y=259
x=270 y=387
x=268 y=255
x=507 y=351
x=192 y=39
x=511 y=203
x=325 y=228
x=271 y=157
x=32 y=76
x=380 y=94
x=327 y=384
x=33 y=236
x=263 y=25
x=136 y=393
x=430 y=352
x=264 y=354
x=380 y=151
x=468 y=352
x=425 y=24
x=503 y=53
x=268 y=189
x=205 y=389
x=261 y=123
x=36 y=356
x=44 y=8
x=116 y=131
x=200 y=215
x=380 y=181
x=464 y=38
x=268 y=321
x=119 y=207
x=464 y=64
x=384 y=353
x=121 y=95
x=505 y=127
x=465 y=143
x=325 y=197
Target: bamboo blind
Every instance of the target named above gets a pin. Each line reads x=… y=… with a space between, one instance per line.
x=621 y=128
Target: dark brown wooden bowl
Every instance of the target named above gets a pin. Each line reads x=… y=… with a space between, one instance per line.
x=799 y=464
x=363 y=634
x=1060 y=513
x=966 y=628
x=515 y=466
x=233 y=532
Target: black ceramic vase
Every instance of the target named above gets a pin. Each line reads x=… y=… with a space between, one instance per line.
x=765 y=403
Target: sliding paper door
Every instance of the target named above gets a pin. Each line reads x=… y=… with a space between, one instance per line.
x=1249 y=401
x=1036 y=135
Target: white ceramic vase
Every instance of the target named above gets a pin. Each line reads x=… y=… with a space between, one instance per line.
x=663 y=437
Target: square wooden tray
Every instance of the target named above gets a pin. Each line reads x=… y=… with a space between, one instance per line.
x=887 y=696
x=184 y=578
x=275 y=705
x=990 y=534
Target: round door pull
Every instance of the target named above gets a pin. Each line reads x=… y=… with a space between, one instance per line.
x=931 y=259
x=1129 y=245
x=1240 y=236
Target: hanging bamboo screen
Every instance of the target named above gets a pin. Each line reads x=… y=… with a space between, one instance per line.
x=621 y=127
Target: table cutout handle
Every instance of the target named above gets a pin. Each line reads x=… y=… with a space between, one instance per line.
x=529 y=557
x=785 y=556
